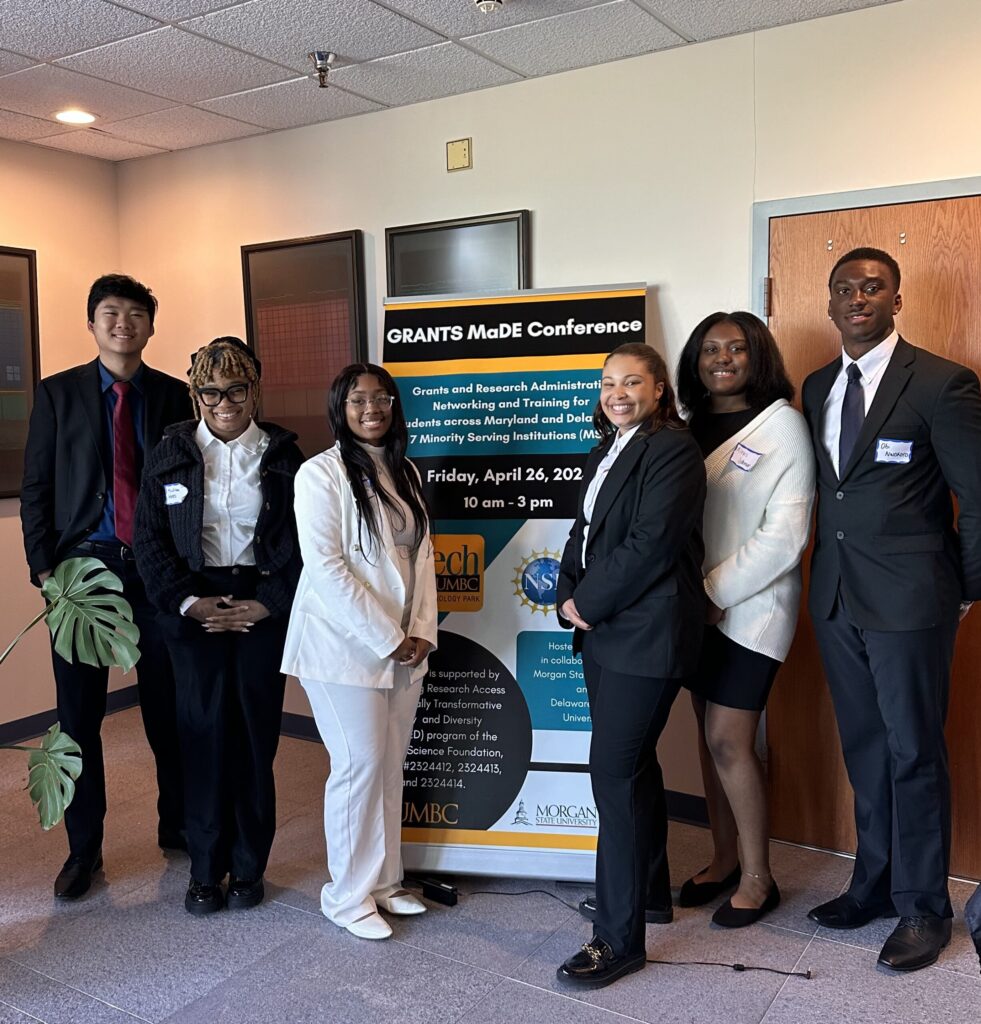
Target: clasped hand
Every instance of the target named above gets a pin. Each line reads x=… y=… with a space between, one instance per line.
x=226 y=615
x=571 y=613
x=411 y=652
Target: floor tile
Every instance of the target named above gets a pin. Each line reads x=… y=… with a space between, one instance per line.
x=53 y=1003
x=516 y=1003
x=9 y=1015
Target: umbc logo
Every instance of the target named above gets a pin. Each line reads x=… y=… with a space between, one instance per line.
x=459 y=571
x=536 y=581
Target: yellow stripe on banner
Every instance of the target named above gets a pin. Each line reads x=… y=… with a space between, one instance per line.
x=502 y=364
x=508 y=300
x=479 y=837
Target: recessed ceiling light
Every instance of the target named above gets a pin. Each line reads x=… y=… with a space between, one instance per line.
x=75 y=117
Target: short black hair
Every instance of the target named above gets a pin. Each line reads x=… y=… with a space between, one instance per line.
x=868 y=253
x=768 y=378
x=122 y=286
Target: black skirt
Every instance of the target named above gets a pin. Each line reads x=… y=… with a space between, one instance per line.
x=732 y=675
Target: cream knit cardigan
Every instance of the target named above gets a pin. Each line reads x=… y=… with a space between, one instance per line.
x=756 y=526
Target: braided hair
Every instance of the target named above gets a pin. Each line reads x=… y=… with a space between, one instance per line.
x=229 y=357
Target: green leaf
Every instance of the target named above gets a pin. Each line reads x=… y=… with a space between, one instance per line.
x=52 y=770
x=86 y=622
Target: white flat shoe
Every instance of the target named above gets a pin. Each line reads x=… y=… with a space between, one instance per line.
x=371 y=926
x=402 y=903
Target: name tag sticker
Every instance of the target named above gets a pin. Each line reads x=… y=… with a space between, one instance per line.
x=888 y=449
x=174 y=494
x=745 y=458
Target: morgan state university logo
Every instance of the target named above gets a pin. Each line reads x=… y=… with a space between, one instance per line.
x=536 y=581
x=459 y=571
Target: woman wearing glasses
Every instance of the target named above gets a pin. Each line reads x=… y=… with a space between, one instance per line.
x=216 y=546
x=362 y=626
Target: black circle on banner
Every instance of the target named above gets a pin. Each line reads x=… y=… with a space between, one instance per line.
x=471 y=743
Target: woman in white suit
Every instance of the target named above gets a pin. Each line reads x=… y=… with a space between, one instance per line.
x=362 y=626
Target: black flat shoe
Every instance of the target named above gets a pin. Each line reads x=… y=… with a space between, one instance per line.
x=595 y=966
x=75 y=877
x=728 y=916
x=203 y=899
x=697 y=894
x=652 y=915
x=915 y=942
x=244 y=893
x=845 y=912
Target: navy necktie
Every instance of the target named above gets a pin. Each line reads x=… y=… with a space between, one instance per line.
x=852 y=416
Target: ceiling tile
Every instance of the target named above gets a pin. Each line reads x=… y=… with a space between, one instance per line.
x=291 y=104
x=13 y=62
x=180 y=127
x=461 y=17
x=287 y=30
x=93 y=143
x=426 y=74
x=699 y=21
x=44 y=89
x=576 y=40
x=53 y=28
x=174 y=10
x=178 y=65
x=23 y=127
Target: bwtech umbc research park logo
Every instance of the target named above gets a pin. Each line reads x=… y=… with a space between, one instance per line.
x=536 y=581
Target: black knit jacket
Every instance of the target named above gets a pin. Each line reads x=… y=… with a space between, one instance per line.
x=167 y=541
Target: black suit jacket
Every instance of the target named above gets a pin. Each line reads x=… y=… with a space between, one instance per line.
x=885 y=530
x=65 y=477
x=641 y=590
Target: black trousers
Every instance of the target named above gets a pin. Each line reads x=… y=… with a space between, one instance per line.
x=229 y=713
x=628 y=713
x=890 y=694
x=81 y=694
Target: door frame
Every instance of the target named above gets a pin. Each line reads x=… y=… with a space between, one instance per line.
x=888 y=195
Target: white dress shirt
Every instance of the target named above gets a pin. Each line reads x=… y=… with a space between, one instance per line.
x=232 y=497
x=872 y=366
x=599 y=478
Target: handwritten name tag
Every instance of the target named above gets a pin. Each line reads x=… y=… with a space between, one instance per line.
x=174 y=494
x=889 y=450
x=745 y=458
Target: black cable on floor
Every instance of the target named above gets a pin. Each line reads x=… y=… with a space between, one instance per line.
x=522 y=892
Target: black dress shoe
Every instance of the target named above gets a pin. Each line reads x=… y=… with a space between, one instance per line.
x=203 y=899
x=75 y=877
x=595 y=965
x=915 y=942
x=697 y=894
x=172 y=839
x=845 y=912
x=652 y=915
x=728 y=916
x=243 y=893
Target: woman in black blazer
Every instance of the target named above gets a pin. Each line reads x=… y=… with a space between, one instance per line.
x=631 y=585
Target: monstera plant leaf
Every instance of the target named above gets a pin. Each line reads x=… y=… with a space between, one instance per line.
x=52 y=770
x=85 y=621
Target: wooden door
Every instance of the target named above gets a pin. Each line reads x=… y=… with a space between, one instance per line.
x=938 y=247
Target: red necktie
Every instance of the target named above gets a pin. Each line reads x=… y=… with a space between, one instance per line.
x=124 y=482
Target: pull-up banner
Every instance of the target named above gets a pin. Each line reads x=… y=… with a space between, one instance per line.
x=498 y=393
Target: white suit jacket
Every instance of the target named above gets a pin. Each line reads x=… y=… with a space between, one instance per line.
x=347 y=613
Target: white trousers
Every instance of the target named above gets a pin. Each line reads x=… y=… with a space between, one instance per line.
x=366 y=732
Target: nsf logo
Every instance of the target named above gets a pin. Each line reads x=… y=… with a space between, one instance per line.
x=536 y=581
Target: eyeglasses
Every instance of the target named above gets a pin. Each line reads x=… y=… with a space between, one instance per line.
x=237 y=394
x=382 y=401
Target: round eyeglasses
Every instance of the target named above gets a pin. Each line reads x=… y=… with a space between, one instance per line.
x=211 y=397
x=382 y=401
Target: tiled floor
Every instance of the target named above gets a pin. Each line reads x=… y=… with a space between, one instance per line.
x=128 y=951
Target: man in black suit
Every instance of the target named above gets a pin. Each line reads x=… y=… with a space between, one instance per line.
x=91 y=428
x=896 y=429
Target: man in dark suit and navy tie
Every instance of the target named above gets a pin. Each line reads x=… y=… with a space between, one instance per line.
x=91 y=429
x=896 y=429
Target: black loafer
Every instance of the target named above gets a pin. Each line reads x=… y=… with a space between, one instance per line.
x=595 y=966
x=844 y=912
x=915 y=942
x=75 y=877
x=203 y=899
x=652 y=915
x=728 y=916
x=697 y=894
x=244 y=893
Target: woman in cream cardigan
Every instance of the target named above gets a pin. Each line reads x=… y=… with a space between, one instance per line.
x=759 y=466
x=362 y=626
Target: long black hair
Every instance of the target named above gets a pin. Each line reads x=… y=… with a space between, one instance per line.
x=665 y=413
x=359 y=464
x=768 y=378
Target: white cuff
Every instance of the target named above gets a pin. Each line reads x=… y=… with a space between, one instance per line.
x=187 y=602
